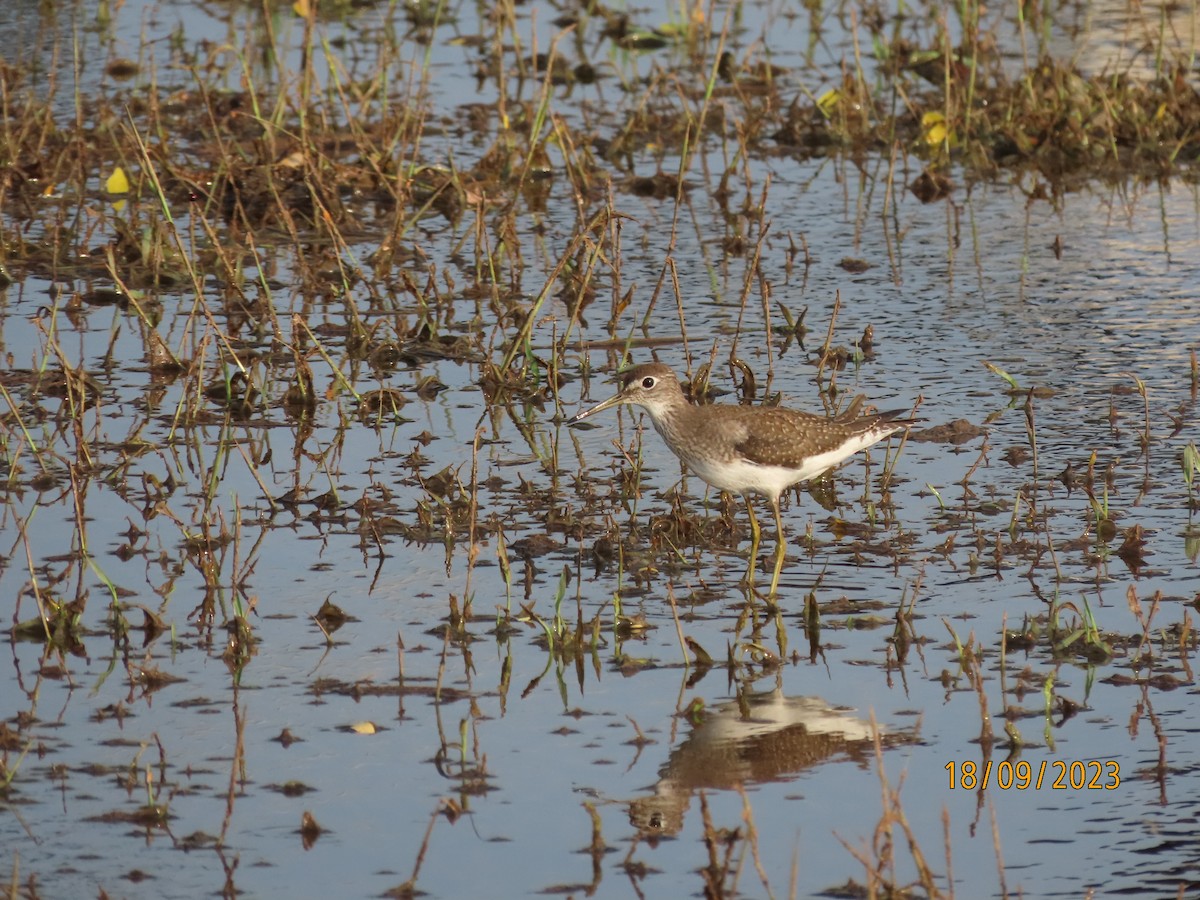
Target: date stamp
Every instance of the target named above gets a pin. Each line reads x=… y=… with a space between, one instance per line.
x=1057 y=775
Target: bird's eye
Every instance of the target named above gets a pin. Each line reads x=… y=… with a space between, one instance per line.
x=648 y=382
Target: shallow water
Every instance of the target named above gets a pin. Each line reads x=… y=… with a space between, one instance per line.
x=491 y=748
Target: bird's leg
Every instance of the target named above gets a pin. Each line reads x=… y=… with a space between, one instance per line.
x=755 y=539
x=780 y=547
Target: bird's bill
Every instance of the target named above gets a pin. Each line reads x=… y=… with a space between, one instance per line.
x=614 y=400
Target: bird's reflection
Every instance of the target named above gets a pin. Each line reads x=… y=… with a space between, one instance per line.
x=760 y=737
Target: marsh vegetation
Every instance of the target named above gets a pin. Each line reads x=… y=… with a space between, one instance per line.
x=309 y=579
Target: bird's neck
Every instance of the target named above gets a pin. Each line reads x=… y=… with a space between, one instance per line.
x=668 y=420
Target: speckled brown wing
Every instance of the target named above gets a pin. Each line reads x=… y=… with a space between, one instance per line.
x=780 y=436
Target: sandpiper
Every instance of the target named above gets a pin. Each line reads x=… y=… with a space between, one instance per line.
x=744 y=449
